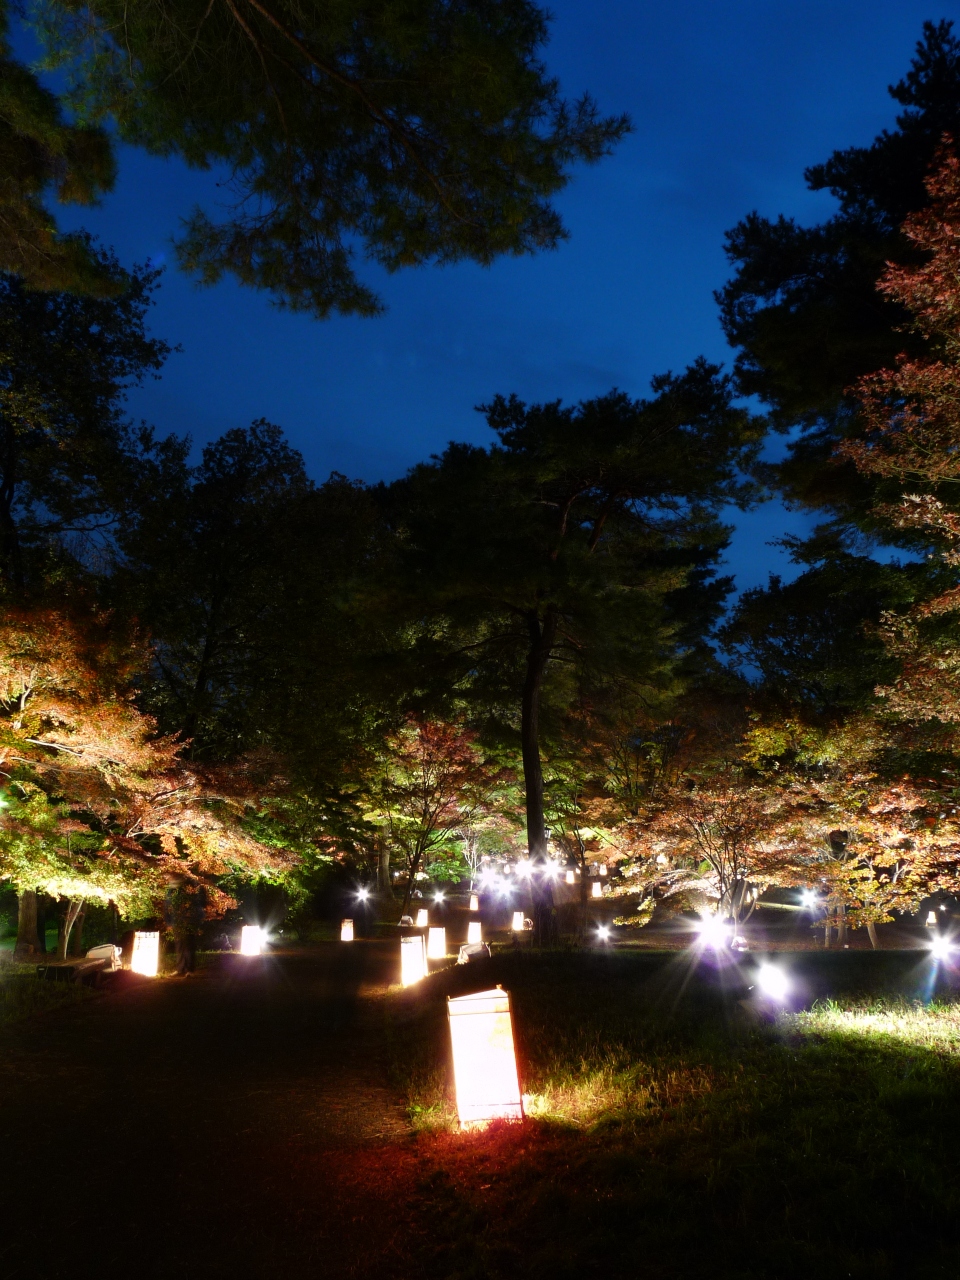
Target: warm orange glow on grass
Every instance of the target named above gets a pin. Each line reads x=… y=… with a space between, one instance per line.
x=517 y=925
x=484 y=1058
x=474 y=931
x=437 y=944
x=597 y=889
x=423 y=918
x=346 y=930
x=413 y=960
x=251 y=940
x=146 y=954
x=474 y=902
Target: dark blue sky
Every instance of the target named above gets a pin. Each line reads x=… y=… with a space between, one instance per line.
x=730 y=100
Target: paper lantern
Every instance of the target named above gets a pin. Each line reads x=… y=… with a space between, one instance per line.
x=413 y=959
x=570 y=877
x=597 y=888
x=484 y=1058
x=346 y=930
x=423 y=918
x=437 y=944
x=474 y=902
x=251 y=940
x=603 y=868
x=146 y=954
x=474 y=931
x=517 y=925
x=931 y=919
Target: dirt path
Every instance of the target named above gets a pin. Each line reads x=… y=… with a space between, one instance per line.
x=237 y=1123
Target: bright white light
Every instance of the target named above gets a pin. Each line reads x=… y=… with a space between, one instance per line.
x=474 y=902
x=603 y=868
x=484 y=1059
x=808 y=899
x=363 y=894
x=251 y=940
x=597 y=889
x=423 y=918
x=413 y=960
x=941 y=948
x=931 y=919
x=569 y=877
x=474 y=931
x=438 y=898
x=517 y=926
x=146 y=954
x=773 y=982
x=603 y=933
x=551 y=870
x=346 y=930
x=714 y=932
x=524 y=867
x=436 y=944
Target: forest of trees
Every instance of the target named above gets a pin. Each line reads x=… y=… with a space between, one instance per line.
x=217 y=671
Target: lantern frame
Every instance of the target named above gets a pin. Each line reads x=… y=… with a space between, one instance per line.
x=346 y=930
x=486 y=1079
x=251 y=940
x=436 y=943
x=413 y=959
x=475 y=931
x=145 y=959
x=423 y=918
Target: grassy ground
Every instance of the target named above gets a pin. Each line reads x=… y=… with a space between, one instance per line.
x=23 y=995
x=675 y=1133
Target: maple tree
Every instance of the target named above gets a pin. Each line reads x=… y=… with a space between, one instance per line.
x=95 y=804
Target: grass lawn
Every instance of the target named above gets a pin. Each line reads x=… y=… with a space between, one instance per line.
x=672 y=1133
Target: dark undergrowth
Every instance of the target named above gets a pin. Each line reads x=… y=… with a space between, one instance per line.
x=678 y=1130
x=24 y=995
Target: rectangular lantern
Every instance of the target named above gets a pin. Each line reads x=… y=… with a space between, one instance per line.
x=474 y=902
x=146 y=954
x=346 y=930
x=251 y=940
x=423 y=918
x=413 y=959
x=517 y=925
x=597 y=888
x=603 y=868
x=570 y=877
x=437 y=944
x=474 y=931
x=484 y=1058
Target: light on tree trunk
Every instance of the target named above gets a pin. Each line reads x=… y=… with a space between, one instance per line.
x=474 y=902
x=146 y=954
x=474 y=932
x=517 y=925
x=423 y=918
x=437 y=944
x=346 y=930
x=251 y=940
x=597 y=889
x=413 y=960
x=484 y=1058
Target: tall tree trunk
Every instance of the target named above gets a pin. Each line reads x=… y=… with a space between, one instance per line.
x=68 y=920
x=383 y=869
x=42 y=912
x=542 y=639
x=76 y=940
x=872 y=935
x=28 y=942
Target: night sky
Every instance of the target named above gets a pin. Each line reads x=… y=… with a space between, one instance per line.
x=730 y=102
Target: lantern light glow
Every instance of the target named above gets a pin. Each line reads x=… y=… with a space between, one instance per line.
x=437 y=944
x=597 y=888
x=603 y=868
x=570 y=877
x=714 y=932
x=413 y=959
x=603 y=933
x=251 y=940
x=484 y=1059
x=524 y=867
x=363 y=894
x=517 y=925
x=146 y=954
x=941 y=948
x=474 y=902
x=346 y=930
x=773 y=982
x=474 y=931
x=423 y=918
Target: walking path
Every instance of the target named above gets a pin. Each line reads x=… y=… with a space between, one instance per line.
x=234 y=1123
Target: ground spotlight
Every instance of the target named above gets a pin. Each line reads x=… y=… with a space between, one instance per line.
x=438 y=898
x=941 y=948
x=714 y=932
x=773 y=982
x=808 y=899
x=363 y=894
x=603 y=933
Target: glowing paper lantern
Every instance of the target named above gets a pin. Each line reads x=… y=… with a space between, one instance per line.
x=251 y=940
x=931 y=920
x=570 y=877
x=474 y=902
x=437 y=944
x=597 y=888
x=484 y=1059
x=413 y=959
x=423 y=918
x=517 y=925
x=346 y=930
x=146 y=954
x=474 y=931
x=603 y=868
